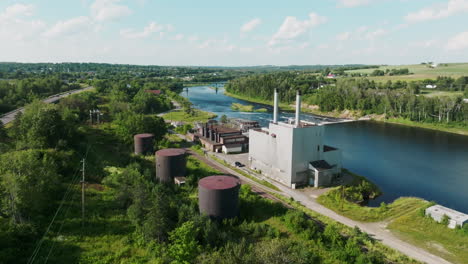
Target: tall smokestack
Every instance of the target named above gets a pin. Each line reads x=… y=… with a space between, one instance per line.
x=298 y=108
x=275 y=107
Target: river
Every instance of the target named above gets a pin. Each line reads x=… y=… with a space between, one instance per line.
x=401 y=160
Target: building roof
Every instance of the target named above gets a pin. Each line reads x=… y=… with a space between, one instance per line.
x=145 y=135
x=222 y=129
x=170 y=152
x=157 y=92
x=234 y=136
x=454 y=215
x=320 y=165
x=219 y=182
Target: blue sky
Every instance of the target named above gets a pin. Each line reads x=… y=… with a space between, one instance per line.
x=232 y=33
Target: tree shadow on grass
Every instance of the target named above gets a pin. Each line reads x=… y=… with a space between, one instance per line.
x=258 y=209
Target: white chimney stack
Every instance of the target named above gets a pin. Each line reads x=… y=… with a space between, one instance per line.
x=275 y=107
x=298 y=108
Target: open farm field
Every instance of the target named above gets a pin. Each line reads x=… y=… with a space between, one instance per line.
x=420 y=71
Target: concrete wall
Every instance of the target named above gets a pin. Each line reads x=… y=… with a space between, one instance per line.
x=334 y=159
x=228 y=150
x=306 y=147
x=272 y=155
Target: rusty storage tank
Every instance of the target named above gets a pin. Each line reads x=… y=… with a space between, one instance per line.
x=218 y=196
x=170 y=163
x=143 y=143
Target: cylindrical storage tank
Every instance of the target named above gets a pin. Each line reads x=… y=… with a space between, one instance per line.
x=218 y=196
x=170 y=163
x=143 y=143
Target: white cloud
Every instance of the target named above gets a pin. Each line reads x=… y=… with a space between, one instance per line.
x=458 y=42
x=292 y=28
x=14 y=26
x=105 y=10
x=71 y=26
x=352 y=3
x=343 y=36
x=452 y=7
x=149 y=30
x=17 y=10
x=178 y=37
x=251 y=25
x=376 y=33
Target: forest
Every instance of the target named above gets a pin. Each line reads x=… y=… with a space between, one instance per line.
x=131 y=218
x=392 y=99
x=14 y=94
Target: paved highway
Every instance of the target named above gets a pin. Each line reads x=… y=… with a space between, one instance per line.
x=10 y=116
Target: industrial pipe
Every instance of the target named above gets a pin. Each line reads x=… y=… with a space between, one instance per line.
x=298 y=108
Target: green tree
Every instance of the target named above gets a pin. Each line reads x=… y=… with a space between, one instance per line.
x=146 y=103
x=3 y=133
x=223 y=119
x=184 y=247
x=128 y=123
x=42 y=126
x=28 y=185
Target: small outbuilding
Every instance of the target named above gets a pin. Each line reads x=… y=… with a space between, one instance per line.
x=437 y=212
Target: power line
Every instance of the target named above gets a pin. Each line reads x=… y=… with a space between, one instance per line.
x=74 y=180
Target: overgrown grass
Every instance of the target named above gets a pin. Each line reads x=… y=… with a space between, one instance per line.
x=432 y=236
x=242 y=108
x=197 y=116
x=344 y=200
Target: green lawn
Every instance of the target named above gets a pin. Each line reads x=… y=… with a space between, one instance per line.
x=432 y=236
x=197 y=116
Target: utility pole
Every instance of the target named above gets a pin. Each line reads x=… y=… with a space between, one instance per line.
x=83 y=192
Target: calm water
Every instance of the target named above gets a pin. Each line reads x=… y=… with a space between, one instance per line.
x=402 y=161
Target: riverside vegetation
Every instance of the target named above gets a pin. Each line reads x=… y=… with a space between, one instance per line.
x=130 y=217
x=392 y=100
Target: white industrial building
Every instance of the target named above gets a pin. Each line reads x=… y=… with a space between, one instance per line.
x=456 y=218
x=293 y=153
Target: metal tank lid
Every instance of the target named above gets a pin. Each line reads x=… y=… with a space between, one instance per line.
x=170 y=152
x=144 y=135
x=219 y=182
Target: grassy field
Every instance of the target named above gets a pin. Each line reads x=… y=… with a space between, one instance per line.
x=180 y=115
x=436 y=93
x=420 y=72
x=432 y=236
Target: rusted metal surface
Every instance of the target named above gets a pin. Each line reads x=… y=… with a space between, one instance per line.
x=170 y=163
x=143 y=143
x=218 y=196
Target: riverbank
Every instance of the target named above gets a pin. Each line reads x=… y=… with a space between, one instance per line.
x=404 y=217
x=353 y=114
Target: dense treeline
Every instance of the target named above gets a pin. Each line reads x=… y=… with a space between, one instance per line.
x=261 y=86
x=394 y=99
x=16 y=93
